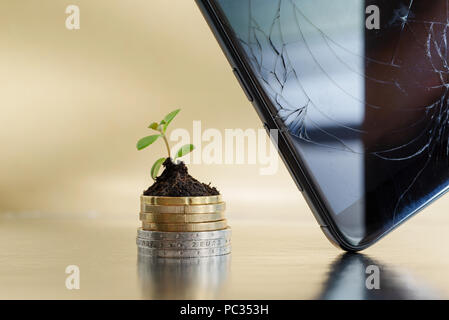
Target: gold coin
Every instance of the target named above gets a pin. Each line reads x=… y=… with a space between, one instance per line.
x=177 y=201
x=181 y=218
x=185 y=227
x=199 y=208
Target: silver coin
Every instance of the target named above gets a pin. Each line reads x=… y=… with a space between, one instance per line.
x=203 y=264
x=172 y=253
x=183 y=244
x=168 y=235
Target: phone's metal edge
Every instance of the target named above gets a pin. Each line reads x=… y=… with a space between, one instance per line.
x=312 y=198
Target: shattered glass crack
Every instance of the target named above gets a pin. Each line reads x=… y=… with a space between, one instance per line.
x=404 y=68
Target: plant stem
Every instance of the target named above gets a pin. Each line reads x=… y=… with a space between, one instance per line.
x=166 y=144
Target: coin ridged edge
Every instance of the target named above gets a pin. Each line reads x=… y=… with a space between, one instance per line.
x=218 y=207
x=183 y=244
x=183 y=235
x=180 y=217
x=167 y=253
x=185 y=227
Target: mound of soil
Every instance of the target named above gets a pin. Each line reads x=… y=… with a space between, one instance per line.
x=175 y=181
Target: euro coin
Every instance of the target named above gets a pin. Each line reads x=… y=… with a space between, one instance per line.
x=184 y=244
x=186 y=209
x=181 y=218
x=173 y=201
x=167 y=253
x=185 y=227
x=202 y=235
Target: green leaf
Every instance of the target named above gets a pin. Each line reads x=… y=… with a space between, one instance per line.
x=162 y=127
x=155 y=168
x=145 y=142
x=153 y=126
x=185 y=149
x=169 y=117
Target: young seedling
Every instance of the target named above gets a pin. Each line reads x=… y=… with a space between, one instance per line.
x=161 y=127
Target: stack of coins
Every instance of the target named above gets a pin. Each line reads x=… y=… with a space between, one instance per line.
x=178 y=227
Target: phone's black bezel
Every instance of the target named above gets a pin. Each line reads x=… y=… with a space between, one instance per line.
x=286 y=148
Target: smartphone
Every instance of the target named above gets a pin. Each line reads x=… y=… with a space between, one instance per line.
x=358 y=92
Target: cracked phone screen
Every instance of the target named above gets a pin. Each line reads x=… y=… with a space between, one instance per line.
x=366 y=108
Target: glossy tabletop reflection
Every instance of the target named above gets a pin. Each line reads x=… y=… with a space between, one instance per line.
x=270 y=260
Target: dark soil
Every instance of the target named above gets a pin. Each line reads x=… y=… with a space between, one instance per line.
x=175 y=181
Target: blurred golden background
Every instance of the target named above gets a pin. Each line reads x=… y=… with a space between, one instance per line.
x=74 y=103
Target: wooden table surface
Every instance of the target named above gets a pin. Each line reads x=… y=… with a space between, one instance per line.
x=271 y=259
